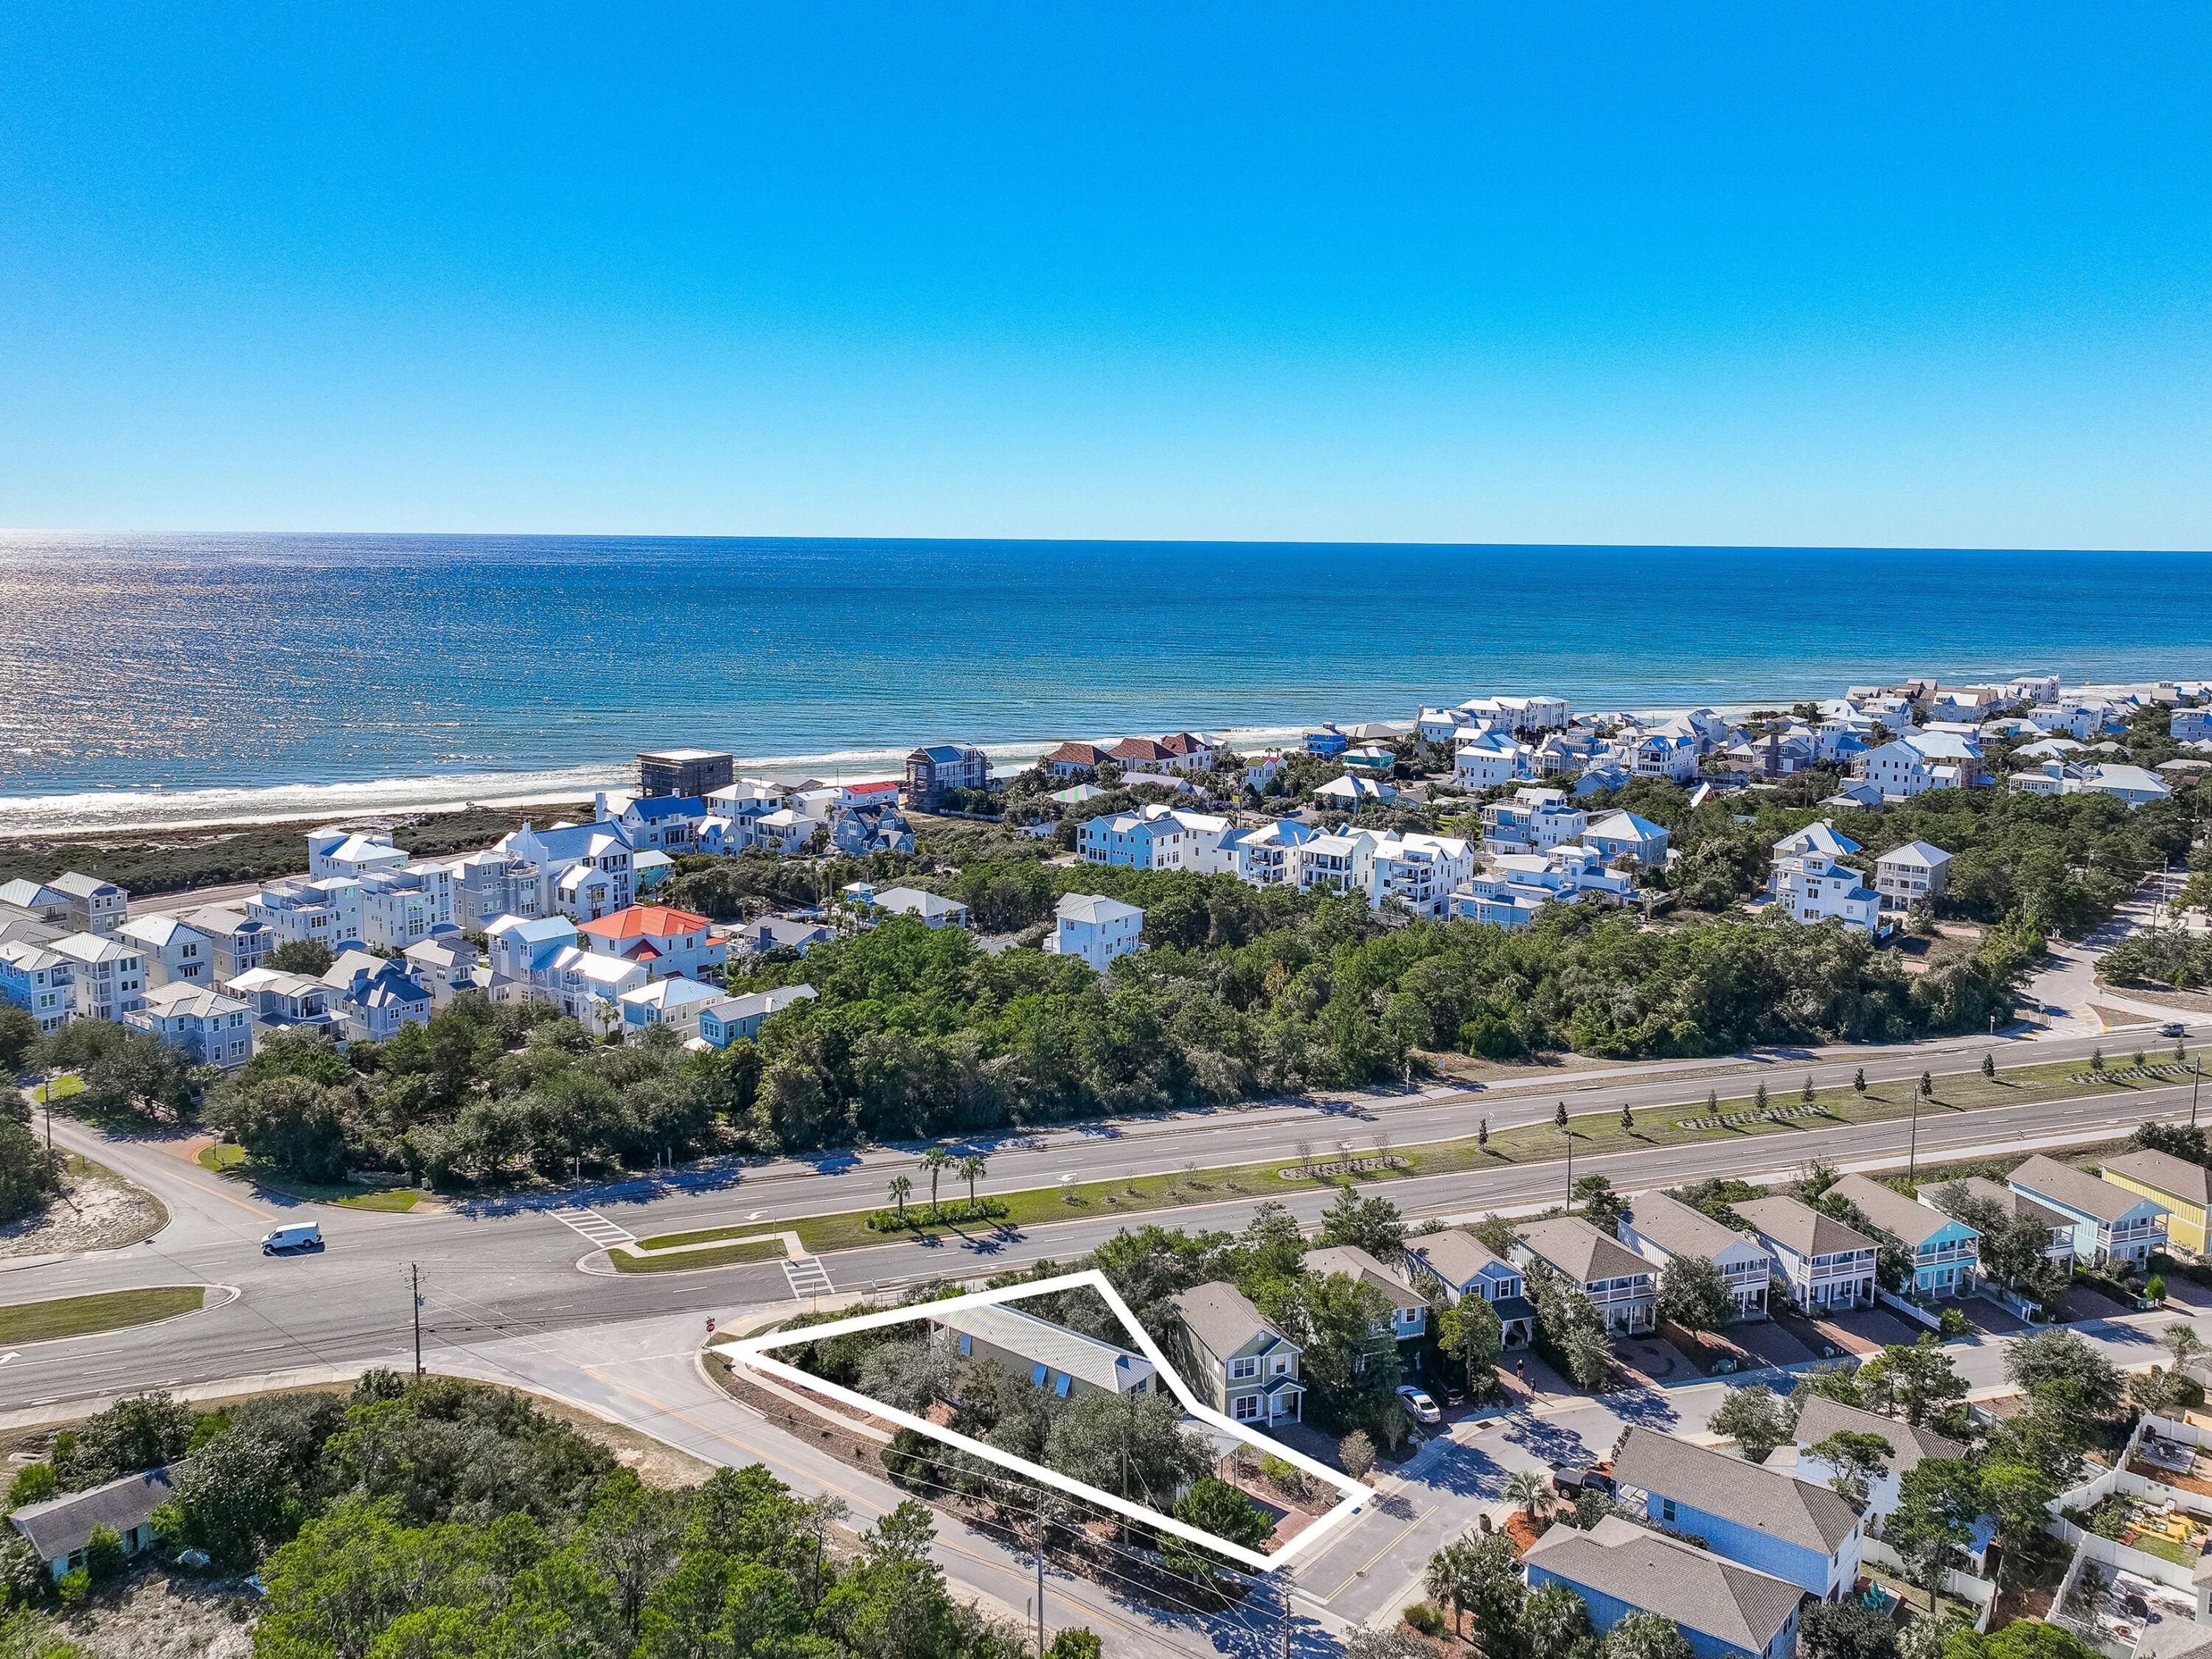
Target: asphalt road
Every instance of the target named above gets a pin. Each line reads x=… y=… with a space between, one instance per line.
x=507 y=1271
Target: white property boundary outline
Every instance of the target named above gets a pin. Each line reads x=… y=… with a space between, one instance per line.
x=752 y=1353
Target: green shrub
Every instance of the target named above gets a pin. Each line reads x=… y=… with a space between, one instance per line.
x=1427 y=1618
x=73 y=1587
x=2154 y=1288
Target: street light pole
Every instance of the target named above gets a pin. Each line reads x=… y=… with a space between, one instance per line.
x=1569 y=1134
x=1912 y=1146
x=2196 y=1080
x=414 y=1287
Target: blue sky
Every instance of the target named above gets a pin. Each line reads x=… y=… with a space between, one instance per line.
x=1686 y=273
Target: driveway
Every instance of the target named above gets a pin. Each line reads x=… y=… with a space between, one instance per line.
x=1861 y=1331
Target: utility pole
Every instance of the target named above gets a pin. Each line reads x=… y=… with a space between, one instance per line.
x=415 y=1287
x=1040 y=1567
x=1569 y=1134
x=1912 y=1146
x=2196 y=1080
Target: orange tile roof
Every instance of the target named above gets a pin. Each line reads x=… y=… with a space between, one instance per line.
x=642 y=920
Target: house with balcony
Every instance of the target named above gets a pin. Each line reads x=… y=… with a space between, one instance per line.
x=1618 y=1281
x=37 y=980
x=1266 y=856
x=375 y=1000
x=1921 y=760
x=677 y=1004
x=2185 y=1189
x=583 y=869
x=1672 y=756
x=324 y=910
x=933 y=772
x=1664 y=1231
x=1460 y=1264
x=521 y=951
x=354 y=853
x=1520 y=715
x=1827 y=1266
x=721 y=1024
x=1947 y=1253
x=176 y=952
x=665 y=942
x=239 y=942
x=206 y=1027
x=1822 y=1417
x=89 y=905
x=282 y=1001
x=1230 y=1357
x=1349 y=794
x=1533 y=821
x=2058 y=1228
x=587 y=985
x=662 y=823
x=107 y=976
x=2113 y=1224
x=1134 y=840
x=1096 y=928
x=1626 y=834
x=1813 y=887
x=404 y=905
x=1725 y=1610
x=1807 y=1535
x=1409 y=1309
x=446 y=966
x=488 y=886
x=1046 y=1355
x=1911 y=874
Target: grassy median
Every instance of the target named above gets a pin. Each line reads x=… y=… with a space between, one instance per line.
x=86 y=1315
x=1594 y=1133
x=675 y=1261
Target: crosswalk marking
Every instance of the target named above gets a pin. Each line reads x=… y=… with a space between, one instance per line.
x=593 y=1225
x=807 y=1277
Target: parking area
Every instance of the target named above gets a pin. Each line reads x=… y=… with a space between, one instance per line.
x=1653 y=1362
x=1859 y=1330
x=2081 y=1302
x=1986 y=1318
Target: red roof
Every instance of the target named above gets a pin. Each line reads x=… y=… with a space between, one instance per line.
x=1139 y=748
x=885 y=788
x=645 y=920
x=1077 y=754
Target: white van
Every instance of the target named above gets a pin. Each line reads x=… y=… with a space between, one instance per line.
x=305 y=1236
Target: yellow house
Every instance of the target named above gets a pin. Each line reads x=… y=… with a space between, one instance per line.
x=2184 y=1188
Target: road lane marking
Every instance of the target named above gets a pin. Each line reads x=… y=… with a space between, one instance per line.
x=595 y=1227
x=807 y=1277
x=1360 y=1571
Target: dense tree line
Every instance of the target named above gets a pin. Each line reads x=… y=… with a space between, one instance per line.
x=443 y=1519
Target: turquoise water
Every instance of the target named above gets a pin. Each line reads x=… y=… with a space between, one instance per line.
x=223 y=668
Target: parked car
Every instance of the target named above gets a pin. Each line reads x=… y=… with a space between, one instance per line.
x=289 y=1241
x=1571 y=1482
x=1419 y=1404
x=1454 y=1394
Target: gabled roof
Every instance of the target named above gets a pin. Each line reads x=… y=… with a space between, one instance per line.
x=1736 y=1605
x=1912 y=1222
x=2165 y=1173
x=1799 y=1227
x=2076 y=1189
x=1580 y=1251
x=76 y=884
x=1219 y=1317
x=645 y=922
x=2018 y=1205
x=1727 y=1488
x=158 y=931
x=197 y=1000
x=654 y=808
x=57 y=1526
x=1457 y=1256
x=1681 y=1230
x=1820 y=837
x=1823 y=1417
x=1086 y=1359
x=1355 y=1263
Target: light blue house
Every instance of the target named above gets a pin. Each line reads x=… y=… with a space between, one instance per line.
x=1725 y=1610
x=1133 y=839
x=1755 y=1518
x=2111 y=1224
x=1947 y=1253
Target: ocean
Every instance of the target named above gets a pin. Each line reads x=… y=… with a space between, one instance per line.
x=183 y=678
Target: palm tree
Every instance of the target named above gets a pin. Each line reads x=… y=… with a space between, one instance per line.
x=1446 y=1580
x=2184 y=1342
x=937 y=1161
x=971 y=1171
x=1529 y=1492
x=901 y=1185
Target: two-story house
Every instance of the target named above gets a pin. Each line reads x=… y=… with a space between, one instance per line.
x=674 y=1003
x=1946 y=1252
x=282 y=1001
x=176 y=952
x=2184 y=1188
x=1134 y=840
x=1618 y=835
x=1724 y=1610
x=240 y=943
x=1617 y=1280
x=1664 y=1231
x=1229 y=1354
x=1096 y=928
x=1822 y=1417
x=2112 y=1224
x=37 y=980
x=2057 y=1228
x=1051 y=1357
x=1805 y=1534
x=1409 y=1309
x=721 y=1024
x=1461 y=1265
x=665 y=942
x=1826 y=1265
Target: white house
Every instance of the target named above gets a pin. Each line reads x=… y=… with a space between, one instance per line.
x=1350 y=793
x=930 y=910
x=1533 y=821
x=287 y=1001
x=403 y=904
x=667 y=943
x=1266 y=856
x=107 y=976
x=1625 y=833
x=665 y=823
x=1822 y=1418
x=585 y=868
x=1672 y=756
x=176 y=952
x=1518 y=714
x=721 y=1024
x=350 y=852
x=1825 y=1264
x=323 y=911
x=1664 y=1231
x=1096 y=928
x=1489 y=758
x=1419 y=871
x=210 y=1028
x=1813 y=887
x=1910 y=874
x=587 y=985
x=1921 y=760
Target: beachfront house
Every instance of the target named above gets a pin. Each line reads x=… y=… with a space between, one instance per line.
x=1911 y=874
x=2113 y=1224
x=107 y=976
x=174 y=950
x=1946 y=1251
x=1230 y=1355
x=1664 y=1231
x=1460 y=1264
x=1050 y=1356
x=721 y=1024
x=1409 y=1319
x=1756 y=1517
x=205 y=1026
x=2185 y=1189
x=684 y=771
x=1075 y=760
x=1617 y=1280
x=1724 y=1609
x=1827 y=1266
x=934 y=771
x=1096 y=928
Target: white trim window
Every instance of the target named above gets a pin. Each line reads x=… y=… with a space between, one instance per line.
x=1243 y=1370
x=1245 y=1408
